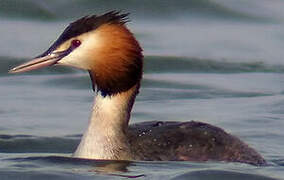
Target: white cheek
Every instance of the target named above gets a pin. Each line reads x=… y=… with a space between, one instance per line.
x=82 y=56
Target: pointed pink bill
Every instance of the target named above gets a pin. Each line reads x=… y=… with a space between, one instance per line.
x=39 y=62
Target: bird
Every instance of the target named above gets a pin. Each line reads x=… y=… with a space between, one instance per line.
x=104 y=46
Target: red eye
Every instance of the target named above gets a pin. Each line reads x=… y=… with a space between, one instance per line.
x=76 y=43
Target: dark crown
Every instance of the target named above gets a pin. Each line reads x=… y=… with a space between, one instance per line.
x=87 y=24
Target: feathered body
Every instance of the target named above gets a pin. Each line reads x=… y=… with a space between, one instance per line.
x=105 y=47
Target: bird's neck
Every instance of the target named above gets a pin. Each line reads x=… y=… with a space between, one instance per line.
x=106 y=135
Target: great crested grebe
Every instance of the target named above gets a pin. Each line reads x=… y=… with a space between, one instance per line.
x=108 y=50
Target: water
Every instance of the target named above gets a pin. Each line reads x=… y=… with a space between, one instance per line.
x=216 y=61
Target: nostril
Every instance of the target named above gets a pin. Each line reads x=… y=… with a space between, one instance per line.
x=75 y=43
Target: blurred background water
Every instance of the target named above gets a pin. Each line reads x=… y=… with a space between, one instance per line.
x=216 y=61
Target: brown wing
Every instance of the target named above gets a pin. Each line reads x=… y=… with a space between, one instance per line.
x=188 y=141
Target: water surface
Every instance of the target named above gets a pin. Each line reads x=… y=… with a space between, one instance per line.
x=214 y=61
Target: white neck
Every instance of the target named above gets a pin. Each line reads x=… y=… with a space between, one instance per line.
x=105 y=137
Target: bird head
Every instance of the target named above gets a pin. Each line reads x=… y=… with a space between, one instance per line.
x=102 y=45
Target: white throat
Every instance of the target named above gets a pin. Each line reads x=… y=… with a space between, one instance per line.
x=105 y=137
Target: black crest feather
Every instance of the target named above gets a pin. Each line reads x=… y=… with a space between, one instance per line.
x=87 y=24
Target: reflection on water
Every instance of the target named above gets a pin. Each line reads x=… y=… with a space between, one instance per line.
x=103 y=167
